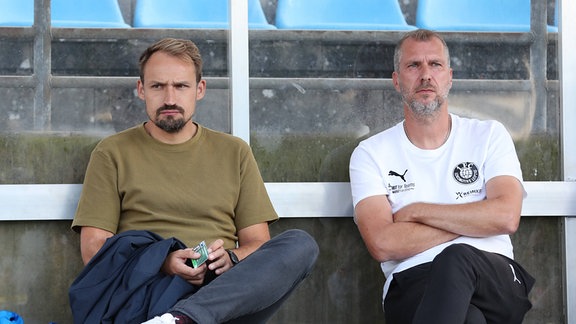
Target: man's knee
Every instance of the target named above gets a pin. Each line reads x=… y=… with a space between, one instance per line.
x=297 y=246
x=456 y=261
x=456 y=252
x=475 y=316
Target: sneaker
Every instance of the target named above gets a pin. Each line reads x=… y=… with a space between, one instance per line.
x=164 y=319
x=182 y=319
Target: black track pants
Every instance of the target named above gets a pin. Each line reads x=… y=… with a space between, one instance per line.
x=461 y=285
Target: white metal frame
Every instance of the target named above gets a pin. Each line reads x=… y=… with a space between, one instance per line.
x=567 y=34
x=291 y=200
x=239 y=71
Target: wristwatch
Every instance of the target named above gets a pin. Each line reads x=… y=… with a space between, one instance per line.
x=233 y=257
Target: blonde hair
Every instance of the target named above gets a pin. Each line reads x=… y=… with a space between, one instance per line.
x=184 y=49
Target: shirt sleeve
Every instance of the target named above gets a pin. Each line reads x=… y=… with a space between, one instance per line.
x=254 y=205
x=501 y=156
x=366 y=177
x=99 y=204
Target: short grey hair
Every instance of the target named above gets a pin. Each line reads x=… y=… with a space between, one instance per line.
x=420 y=35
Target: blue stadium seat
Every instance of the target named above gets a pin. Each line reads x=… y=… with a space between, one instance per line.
x=193 y=14
x=340 y=15
x=475 y=15
x=87 y=13
x=16 y=13
x=556 y=15
x=65 y=13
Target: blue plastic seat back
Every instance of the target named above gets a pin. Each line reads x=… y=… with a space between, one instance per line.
x=474 y=15
x=556 y=14
x=65 y=13
x=194 y=14
x=340 y=15
x=16 y=13
x=87 y=13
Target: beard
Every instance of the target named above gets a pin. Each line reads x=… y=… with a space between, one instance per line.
x=425 y=110
x=170 y=124
x=421 y=109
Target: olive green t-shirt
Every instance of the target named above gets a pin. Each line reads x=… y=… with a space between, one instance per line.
x=204 y=189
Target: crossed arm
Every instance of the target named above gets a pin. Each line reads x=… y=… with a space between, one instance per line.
x=249 y=239
x=420 y=226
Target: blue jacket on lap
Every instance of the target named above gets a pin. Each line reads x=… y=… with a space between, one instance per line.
x=123 y=282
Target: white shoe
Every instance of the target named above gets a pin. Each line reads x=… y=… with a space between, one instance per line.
x=164 y=319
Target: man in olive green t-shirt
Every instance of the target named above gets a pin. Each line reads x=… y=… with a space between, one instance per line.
x=175 y=178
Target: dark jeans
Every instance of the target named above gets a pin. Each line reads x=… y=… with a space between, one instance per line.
x=255 y=288
x=461 y=285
